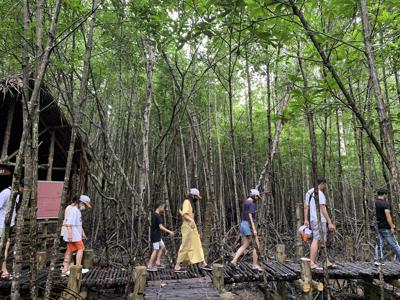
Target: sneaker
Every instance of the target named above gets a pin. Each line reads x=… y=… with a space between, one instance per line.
x=378 y=263
x=152 y=269
x=206 y=268
x=63 y=274
x=84 y=270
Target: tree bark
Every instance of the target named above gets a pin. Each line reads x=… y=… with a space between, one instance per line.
x=76 y=116
x=351 y=103
x=384 y=118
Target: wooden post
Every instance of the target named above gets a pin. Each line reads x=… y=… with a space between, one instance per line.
x=299 y=242
x=317 y=286
x=7 y=133
x=281 y=286
x=139 y=278
x=349 y=248
x=280 y=253
x=302 y=286
x=218 y=277
x=74 y=283
x=41 y=259
x=306 y=277
x=87 y=260
x=51 y=155
x=365 y=252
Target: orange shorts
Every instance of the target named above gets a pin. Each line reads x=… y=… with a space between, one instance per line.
x=75 y=246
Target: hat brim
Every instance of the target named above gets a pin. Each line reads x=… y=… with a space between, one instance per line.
x=199 y=196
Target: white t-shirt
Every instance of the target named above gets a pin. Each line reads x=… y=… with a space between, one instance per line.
x=4 y=198
x=73 y=217
x=313 y=210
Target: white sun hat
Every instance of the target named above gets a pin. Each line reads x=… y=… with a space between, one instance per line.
x=195 y=192
x=85 y=199
x=254 y=193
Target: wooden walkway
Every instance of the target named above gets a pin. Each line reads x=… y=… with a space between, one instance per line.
x=182 y=289
x=101 y=277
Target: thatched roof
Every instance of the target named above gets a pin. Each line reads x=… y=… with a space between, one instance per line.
x=51 y=118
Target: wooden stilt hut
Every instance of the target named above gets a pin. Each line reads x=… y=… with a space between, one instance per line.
x=54 y=137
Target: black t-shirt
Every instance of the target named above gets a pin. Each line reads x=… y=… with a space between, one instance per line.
x=380 y=207
x=156 y=220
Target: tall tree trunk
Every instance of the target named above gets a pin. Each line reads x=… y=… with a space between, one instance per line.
x=351 y=103
x=250 y=121
x=145 y=163
x=220 y=167
x=75 y=116
x=35 y=115
x=384 y=118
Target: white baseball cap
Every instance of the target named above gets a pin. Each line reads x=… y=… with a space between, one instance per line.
x=195 y=192
x=85 y=199
x=254 y=193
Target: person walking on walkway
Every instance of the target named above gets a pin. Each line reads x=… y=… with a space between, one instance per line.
x=5 y=198
x=386 y=227
x=191 y=250
x=157 y=225
x=73 y=233
x=248 y=230
x=310 y=210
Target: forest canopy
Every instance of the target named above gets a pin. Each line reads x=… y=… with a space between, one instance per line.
x=220 y=95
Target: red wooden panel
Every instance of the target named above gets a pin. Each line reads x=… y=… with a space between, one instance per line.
x=49 y=199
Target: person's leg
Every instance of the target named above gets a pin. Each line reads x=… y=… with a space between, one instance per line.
x=378 y=255
x=314 y=244
x=153 y=257
x=67 y=260
x=79 y=256
x=391 y=239
x=314 y=252
x=255 y=258
x=4 y=270
x=160 y=253
x=240 y=251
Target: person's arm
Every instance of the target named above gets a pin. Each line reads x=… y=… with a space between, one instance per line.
x=68 y=225
x=390 y=220
x=306 y=209
x=324 y=212
x=84 y=237
x=166 y=230
x=253 y=227
x=184 y=212
x=69 y=231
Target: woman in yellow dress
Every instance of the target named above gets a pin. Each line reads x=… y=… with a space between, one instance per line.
x=191 y=250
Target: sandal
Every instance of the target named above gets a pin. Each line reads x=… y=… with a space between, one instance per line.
x=7 y=276
x=206 y=267
x=331 y=266
x=316 y=268
x=257 y=268
x=181 y=270
x=234 y=266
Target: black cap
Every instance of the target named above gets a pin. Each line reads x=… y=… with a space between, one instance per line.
x=321 y=180
x=382 y=191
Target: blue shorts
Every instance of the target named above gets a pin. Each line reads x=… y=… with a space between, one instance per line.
x=245 y=229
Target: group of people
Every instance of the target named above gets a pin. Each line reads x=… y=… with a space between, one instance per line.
x=191 y=251
x=72 y=231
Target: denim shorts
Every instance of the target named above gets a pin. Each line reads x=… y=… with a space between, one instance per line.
x=245 y=229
